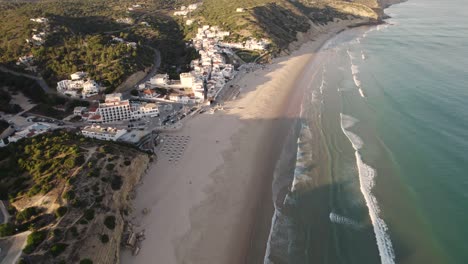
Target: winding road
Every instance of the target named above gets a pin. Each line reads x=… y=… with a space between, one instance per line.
x=39 y=80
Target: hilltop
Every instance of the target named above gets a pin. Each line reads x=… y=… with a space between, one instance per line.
x=70 y=193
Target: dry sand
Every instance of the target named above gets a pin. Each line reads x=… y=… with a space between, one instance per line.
x=210 y=206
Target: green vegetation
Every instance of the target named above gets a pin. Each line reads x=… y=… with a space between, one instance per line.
x=57 y=233
x=104 y=239
x=47 y=103
x=116 y=182
x=33 y=240
x=89 y=214
x=7 y=229
x=247 y=55
x=57 y=249
x=61 y=211
x=86 y=261
x=109 y=222
x=74 y=231
x=27 y=214
x=5 y=105
x=37 y=164
x=79 y=34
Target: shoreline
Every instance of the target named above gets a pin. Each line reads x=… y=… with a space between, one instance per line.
x=214 y=212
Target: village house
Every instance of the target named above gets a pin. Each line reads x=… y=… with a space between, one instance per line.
x=141 y=110
x=103 y=133
x=41 y=20
x=78 y=87
x=160 y=79
x=30 y=131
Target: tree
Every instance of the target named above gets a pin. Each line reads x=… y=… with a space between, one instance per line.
x=6 y=229
x=109 y=222
x=61 y=211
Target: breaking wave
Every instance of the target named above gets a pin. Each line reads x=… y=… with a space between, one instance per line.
x=343 y=220
x=355 y=71
x=366 y=181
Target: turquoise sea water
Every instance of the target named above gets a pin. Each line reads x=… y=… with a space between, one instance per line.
x=388 y=111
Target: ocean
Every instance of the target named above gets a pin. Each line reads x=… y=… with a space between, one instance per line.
x=380 y=158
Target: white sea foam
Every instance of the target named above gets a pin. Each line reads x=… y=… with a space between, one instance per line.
x=322 y=85
x=361 y=92
x=354 y=72
x=366 y=182
x=354 y=69
x=343 y=220
x=363 y=56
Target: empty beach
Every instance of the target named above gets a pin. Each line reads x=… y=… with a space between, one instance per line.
x=208 y=195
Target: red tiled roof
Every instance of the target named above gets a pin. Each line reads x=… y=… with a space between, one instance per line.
x=95 y=117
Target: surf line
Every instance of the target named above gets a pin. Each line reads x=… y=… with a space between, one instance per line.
x=355 y=71
x=367 y=182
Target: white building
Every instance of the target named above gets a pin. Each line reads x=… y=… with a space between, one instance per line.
x=189 y=22
x=144 y=110
x=25 y=60
x=183 y=99
x=39 y=38
x=39 y=20
x=127 y=20
x=181 y=13
x=103 y=133
x=30 y=131
x=79 y=110
x=240 y=10
x=160 y=79
x=113 y=109
x=78 y=75
x=187 y=79
x=90 y=88
x=77 y=86
x=193 y=7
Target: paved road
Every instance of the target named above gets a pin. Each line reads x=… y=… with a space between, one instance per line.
x=151 y=73
x=39 y=80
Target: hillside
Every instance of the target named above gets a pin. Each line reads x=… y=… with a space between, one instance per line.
x=79 y=34
x=280 y=20
x=78 y=37
x=71 y=192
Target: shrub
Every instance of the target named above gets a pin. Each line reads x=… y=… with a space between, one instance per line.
x=104 y=239
x=7 y=229
x=89 y=214
x=134 y=92
x=110 y=166
x=57 y=249
x=109 y=222
x=127 y=163
x=57 y=233
x=27 y=214
x=74 y=231
x=69 y=195
x=80 y=160
x=33 y=240
x=116 y=183
x=61 y=211
x=86 y=261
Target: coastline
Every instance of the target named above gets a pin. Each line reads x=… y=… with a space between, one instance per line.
x=215 y=205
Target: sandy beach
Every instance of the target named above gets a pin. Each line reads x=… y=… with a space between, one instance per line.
x=214 y=204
